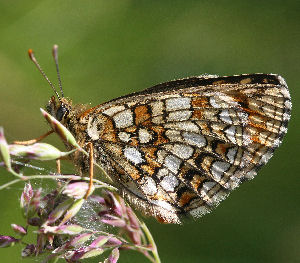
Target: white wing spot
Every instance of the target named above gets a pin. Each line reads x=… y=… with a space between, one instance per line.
x=113 y=110
x=230 y=133
x=224 y=116
x=169 y=183
x=251 y=174
x=172 y=163
x=183 y=126
x=133 y=155
x=178 y=104
x=266 y=157
x=206 y=187
x=92 y=130
x=183 y=151
x=157 y=108
x=218 y=169
x=144 y=136
x=194 y=139
x=123 y=119
x=244 y=117
x=163 y=204
x=149 y=186
x=179 y=115
x=213 y=102
x=288 y=104
x=124 y=136
x=231 y=154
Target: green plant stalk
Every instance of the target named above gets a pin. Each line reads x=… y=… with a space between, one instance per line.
x=151 y=241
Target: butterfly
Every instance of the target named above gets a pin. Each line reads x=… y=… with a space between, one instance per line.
x=180 y=147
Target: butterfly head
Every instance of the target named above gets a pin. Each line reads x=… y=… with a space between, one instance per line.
x=59 y=108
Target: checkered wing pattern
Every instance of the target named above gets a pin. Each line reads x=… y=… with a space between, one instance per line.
x=179 y=148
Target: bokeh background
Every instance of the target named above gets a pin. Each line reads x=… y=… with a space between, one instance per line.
x=112 y=48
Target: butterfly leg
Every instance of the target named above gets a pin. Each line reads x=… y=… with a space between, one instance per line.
x=58 y=169
x=91 y=170
x=29 y=142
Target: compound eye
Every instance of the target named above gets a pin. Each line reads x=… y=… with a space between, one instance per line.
x=60 y=112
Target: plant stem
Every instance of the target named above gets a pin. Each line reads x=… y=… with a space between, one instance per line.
x=10 y=183
x=71 y=177
x=151 y=241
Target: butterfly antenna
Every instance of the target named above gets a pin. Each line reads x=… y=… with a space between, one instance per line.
x=55 y=56
x=32 y=57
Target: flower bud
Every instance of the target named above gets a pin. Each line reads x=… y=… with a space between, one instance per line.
x=27 y=208
x=72 y=211
x=29 y=250
x=134 y=223
x=19 y=229
x=34 y=221
x=77 y=190
x=113 y=241
x=7 y=241
x=58 y=211
x=79 y=240
x=97 y=199
x=113 y=257
x=99 y=241
x=62 y=230
x=37 y=151
x=113 y=221
x=26 y=196
x=114 y=203
x=93 y=253
x=61 y=130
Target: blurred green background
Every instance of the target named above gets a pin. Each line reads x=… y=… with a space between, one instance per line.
x=112 y=48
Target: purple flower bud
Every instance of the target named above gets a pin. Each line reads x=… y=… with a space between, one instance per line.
x=97 y=199
x=34 y=221
x=4 y=151
x=113 y=221
x=92 y=253
x=114 y=203
x=134 y=223
x=62 y=230
x=113 y=257
x=37 y=151
x=81 y=253
x=75 y=242
x=75 y=255
x=26 y=196
x=61 y=130
x=59 y=211
x=28 y=209
x=113 y=241
x=79 y=240
x=72 y=211
x=135 y=236
x=29 y=250
x=77 y=190
x=36 y=199
x=19 y=229
x=99 y=241
x=34 y=203
x=7 y=241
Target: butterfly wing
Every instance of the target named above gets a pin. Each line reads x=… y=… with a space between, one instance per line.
x=181 y=147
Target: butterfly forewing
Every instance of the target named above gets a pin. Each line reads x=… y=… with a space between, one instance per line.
x=180 y=147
